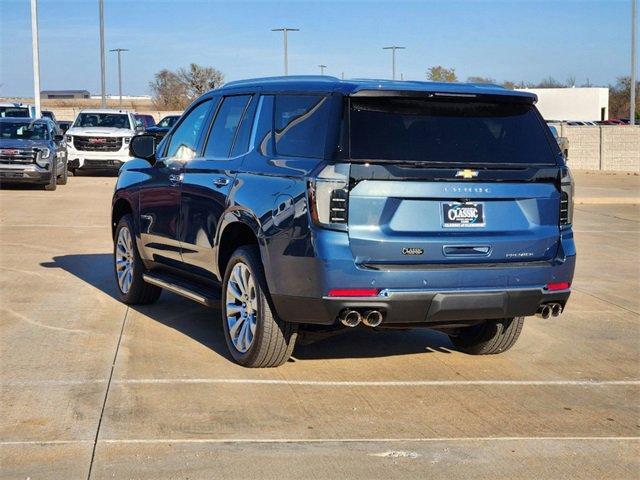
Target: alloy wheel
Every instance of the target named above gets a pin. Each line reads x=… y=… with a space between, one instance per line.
x=241 y=307
x=124 y=259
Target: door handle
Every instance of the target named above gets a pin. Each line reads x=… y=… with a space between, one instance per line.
x=221 y=181
x=175 y=178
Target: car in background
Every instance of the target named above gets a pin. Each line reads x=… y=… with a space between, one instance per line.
x=163 y=126
x=49 y=114
x=17 y=110
x=563 y=142
x=99 y=139
x=32 y=151
x=64 y=125
x=145 y=120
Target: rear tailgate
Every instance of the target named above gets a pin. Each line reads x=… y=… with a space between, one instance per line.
x=416 y=222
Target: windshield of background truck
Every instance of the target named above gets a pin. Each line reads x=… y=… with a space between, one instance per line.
x=14 y=112
x=107 y=120
x=23 y=131
x=447 y=131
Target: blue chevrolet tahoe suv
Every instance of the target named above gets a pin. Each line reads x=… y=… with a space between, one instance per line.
x=301 y=203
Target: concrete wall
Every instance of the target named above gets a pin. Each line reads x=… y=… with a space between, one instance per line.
x=606 y=147
x=572 y=103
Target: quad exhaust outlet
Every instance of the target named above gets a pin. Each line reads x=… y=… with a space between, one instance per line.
x=350 y=318
x=372 y=318
x=353 y=318
x=548 y=310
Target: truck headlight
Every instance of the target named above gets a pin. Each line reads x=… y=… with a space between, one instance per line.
x=42 y=158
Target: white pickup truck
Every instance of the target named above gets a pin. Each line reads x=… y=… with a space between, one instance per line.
x=99 y=139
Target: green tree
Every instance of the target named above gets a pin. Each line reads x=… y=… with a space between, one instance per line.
x=441 y=74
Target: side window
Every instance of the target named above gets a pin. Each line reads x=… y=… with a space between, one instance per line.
x=262 y=131
x=225 y=125
x=301 y=125
x=241 y=143
x=184 y=141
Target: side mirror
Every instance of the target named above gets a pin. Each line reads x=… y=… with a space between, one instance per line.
x=143 y=146
x=58 y=138
x=139 y=129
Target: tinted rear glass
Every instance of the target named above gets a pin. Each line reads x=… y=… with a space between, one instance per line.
x=466 y=132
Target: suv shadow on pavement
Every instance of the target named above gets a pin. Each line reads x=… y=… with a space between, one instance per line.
x=204 y=325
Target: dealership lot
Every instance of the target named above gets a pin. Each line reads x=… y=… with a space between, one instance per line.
x=89 y=386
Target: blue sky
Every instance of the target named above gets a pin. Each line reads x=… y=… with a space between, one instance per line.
x=506 y=40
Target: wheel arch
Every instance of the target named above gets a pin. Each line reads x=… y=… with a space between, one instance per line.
x=120 y=208
x=235 y=234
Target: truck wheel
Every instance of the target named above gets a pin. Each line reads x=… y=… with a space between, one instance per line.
x=255 y=336
x=53 y=183
x=490 y=337
x=62 y=179
x=128 y=267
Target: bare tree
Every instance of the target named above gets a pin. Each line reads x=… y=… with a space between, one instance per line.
x=441 y=74
x=509 y=84
x=620 y=96
x=474 y=79
x=169 y=93
x=198 y=80
x=549 y=82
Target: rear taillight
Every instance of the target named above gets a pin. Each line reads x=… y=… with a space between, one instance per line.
x=566 y=198
x=557 y=286
x=329 y=197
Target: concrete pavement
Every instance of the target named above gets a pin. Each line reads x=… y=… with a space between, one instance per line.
x=91 y=387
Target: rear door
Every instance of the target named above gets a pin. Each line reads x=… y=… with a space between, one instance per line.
x=451 y=181
x=209 y=179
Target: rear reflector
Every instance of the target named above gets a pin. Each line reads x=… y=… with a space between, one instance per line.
x=557 y=286
x=354 y=292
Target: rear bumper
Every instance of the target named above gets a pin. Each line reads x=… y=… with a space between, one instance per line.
x=422 y=307
x=28 y=173
x=415 y=294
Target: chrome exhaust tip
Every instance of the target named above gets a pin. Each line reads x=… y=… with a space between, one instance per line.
x=350 y=318
x=372 y=318
x=556 y=309
x=544 y=311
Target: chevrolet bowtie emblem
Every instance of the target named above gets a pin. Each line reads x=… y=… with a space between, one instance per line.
x=466 y=173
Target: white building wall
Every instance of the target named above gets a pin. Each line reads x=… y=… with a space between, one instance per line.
x=572 y=103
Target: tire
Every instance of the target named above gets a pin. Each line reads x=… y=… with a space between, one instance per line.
x=62 y=179
x=133 y=291
x=490 y=337
x=52 y=184
x=271 y=340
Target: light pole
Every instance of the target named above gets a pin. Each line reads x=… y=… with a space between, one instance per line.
x=285 y=30
x=36 y=55
x=634 y=59
x=322 y=67
x=119 y=51
x=393 y=49
x=103 y=81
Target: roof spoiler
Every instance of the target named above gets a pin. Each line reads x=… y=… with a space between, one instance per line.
x=500 y=95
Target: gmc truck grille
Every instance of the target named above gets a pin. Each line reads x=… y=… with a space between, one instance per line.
x=16 y=155
x=97 y=144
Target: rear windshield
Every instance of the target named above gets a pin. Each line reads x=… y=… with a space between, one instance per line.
x=111 y=120
x=437 y=131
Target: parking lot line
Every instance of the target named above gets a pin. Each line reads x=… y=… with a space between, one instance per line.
x=322 y=440
x=391 y=383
